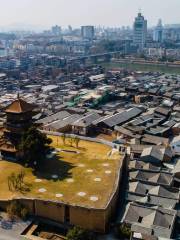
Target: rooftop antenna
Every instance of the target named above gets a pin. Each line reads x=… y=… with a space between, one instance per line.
x=139 y=11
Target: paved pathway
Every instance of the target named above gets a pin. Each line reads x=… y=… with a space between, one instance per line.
x=11 y=231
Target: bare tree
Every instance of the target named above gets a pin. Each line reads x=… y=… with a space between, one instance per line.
x=64 y=138
x=20 y=179
x=15 y=181
x=76 y=141
x=71 y=141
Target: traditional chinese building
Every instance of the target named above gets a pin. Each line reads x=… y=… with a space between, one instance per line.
x=18 y=119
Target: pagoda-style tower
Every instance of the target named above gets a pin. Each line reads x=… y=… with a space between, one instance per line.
x=18 y=119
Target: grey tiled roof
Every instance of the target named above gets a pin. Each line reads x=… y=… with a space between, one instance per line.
x=87 y=120
x=144 y=165
x=58 y=116
x=155 y=221
x=152 y=200
x=157 y=190
x=152 y=177
x=122 y=117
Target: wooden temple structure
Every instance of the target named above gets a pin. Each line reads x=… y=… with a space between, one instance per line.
x=18 y=119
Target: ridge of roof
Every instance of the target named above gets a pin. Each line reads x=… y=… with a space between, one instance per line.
x=19 y=106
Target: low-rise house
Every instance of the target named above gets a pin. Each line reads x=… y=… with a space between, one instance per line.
x=153 y=155
x=152 y=200
x=153 y=91
x=175 y=145
x=156 y=190
x=54 y=117
x=135 y=129
x=73 y=110
x=152 y=221
x=176 y=129
x=156 y=154
x=167 y=154
x=177 y=179
x=142 y=98
x=136 y=150
x=162 y=130
x=119 y=118
x=147 y=121
x=161 y=178
x=138 y=165
x=162 y=111
x=150 y=139
x=156 y=195
x=63 y=125
x=84 y=125
x=126 y=134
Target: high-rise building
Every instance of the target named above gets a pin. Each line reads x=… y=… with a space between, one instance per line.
x=140 y=31
x=70 y=29
x=158 y=32
x=171 y=32
x=56 y=30
x=87 y=32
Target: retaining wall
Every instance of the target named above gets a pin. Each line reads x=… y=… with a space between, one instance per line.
x=96 y=219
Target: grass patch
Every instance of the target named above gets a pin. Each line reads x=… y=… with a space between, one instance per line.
x=67 y=165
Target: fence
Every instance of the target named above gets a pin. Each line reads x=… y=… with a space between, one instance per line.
x=97 y=140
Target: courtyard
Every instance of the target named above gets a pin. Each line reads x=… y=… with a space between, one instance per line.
x=83 y=175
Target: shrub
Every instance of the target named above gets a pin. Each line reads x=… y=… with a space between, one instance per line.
x=16 y=181
x=123 y=231
x=17 y=210
x=78 y=233
x=24 y=213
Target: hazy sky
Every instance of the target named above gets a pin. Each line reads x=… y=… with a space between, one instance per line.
x=81 y=12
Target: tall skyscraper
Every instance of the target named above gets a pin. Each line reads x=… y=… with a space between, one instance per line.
x=140 y=31
x=56 y=30
x=158 y=32
x=87 y=32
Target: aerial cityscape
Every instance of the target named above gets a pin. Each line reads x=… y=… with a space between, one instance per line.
x=89 y=120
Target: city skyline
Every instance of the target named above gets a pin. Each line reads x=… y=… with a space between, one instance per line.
x=112 y=13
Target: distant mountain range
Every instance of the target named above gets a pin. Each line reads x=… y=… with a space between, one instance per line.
x=22 y=27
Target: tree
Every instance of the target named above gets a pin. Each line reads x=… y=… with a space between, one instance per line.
x=76 y=141
x=122 y=231
x=34 y=146
x=16 y=209
x=162 y=59
x=78 y=233
x=142 y=55
x=64 y=138
x=71 y=141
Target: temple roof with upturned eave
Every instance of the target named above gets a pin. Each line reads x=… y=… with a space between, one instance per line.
x=19 y=106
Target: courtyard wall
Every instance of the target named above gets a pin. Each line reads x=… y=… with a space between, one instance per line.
x=96 y=219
